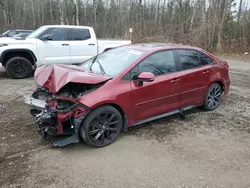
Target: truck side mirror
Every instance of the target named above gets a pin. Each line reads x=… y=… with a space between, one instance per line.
x=46 y=37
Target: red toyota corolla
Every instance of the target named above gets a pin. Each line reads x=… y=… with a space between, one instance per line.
x=124 y=87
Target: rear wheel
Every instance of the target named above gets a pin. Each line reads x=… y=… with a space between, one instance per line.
x=19 y=67
x=213 y=97
x=102 y=126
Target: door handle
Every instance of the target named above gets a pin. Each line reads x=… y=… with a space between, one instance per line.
x=205 y=72
x=174 y=81
x=65 y=44
x=91 y=44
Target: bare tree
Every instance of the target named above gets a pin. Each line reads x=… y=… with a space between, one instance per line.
x=210 y=24
x=77 y=12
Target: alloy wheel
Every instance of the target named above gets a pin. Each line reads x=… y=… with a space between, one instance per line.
x=214 y=96
x=104 y=128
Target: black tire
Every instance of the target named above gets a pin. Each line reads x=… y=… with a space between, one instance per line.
x=97 y=130
x=19 y=67
x=213 y=97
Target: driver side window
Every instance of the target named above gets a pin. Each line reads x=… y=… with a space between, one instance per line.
x=159 y=63
x=58 y=34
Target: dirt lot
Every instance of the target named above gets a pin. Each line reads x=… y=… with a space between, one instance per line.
x=208 y=149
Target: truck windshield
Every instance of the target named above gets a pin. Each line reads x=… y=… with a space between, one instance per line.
x=113 y=61
x=37 y=32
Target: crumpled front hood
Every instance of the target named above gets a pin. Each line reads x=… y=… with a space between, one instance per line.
x=54 y=77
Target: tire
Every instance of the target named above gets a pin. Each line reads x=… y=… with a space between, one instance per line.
x=213 y=97
x=102 y=126
x=19 y=67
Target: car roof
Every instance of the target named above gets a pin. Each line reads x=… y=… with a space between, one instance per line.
x=148 y=47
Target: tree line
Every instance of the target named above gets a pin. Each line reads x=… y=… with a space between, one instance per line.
x=216 y=25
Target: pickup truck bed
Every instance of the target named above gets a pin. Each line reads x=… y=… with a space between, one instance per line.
x=104 y=44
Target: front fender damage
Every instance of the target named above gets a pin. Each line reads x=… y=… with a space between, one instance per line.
x=61 y=113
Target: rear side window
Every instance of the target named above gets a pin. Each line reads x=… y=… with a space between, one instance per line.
x=189 y=59
x=158 y=63
x=205 y=60
x=80 y=34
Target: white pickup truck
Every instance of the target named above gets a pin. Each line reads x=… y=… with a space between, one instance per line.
x=52 y=44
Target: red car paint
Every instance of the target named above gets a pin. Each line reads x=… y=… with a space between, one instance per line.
x=63 y=74
x=139 y=102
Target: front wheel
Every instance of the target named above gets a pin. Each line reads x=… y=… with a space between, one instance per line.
x=213 y=97
x=102 y=126
x=19 y=67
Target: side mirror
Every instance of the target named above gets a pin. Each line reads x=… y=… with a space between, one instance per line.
x=46 y=37
x=146 y=77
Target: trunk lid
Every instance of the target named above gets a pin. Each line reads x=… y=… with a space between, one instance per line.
x=54 y=77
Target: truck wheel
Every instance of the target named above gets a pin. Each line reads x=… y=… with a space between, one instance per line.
x=19 y=67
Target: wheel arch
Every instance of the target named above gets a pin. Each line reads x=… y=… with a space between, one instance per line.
x=220 y=83
x=26 y=53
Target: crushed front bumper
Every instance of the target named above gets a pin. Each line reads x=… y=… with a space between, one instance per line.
x=52 y=122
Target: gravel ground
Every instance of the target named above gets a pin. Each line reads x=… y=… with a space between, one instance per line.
x=208 y=149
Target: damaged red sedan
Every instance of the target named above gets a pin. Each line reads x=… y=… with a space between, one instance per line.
x=124 y=87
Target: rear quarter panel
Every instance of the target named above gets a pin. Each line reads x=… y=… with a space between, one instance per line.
x=219 y=74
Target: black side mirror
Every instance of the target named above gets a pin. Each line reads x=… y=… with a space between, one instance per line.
x=46 y=37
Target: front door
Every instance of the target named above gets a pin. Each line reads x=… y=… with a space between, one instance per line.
x=56 y=49
x=161 y=95
x=195 y=69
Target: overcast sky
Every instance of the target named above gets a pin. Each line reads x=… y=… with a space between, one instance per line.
x=245 y=3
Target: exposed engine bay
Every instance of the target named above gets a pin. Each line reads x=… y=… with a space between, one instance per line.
x=62 y=113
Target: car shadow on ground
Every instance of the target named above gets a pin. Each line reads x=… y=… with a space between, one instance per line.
x=155 y=129
x=168 y=119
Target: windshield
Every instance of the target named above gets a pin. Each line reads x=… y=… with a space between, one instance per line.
x=37 y=32
x=113 y=61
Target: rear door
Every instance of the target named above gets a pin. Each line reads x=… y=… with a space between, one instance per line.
x=161 y=95
x=56 y=49
x=195 y=70
x=82 y=45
